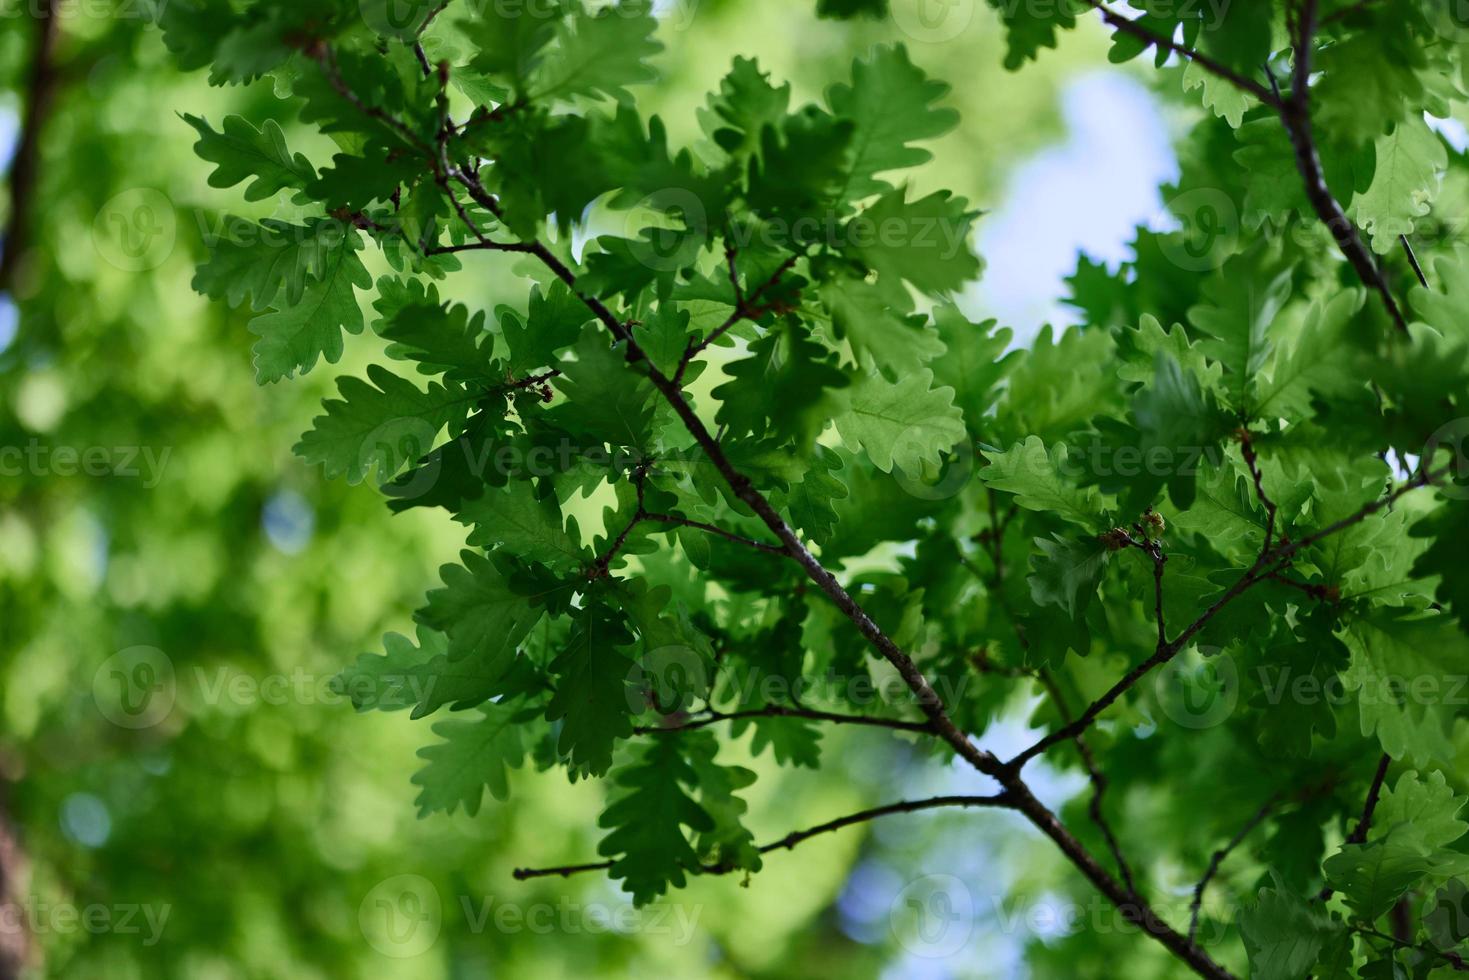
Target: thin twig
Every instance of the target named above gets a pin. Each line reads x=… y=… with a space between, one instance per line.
x=1359 y=833
x=1364 y=822
x=1126 y=26
x=782 y=711
x=1098 y=781
x=1281 y=556
x=1453 y=959
x=1247 y=450
x=746 y=308
x=795 y=837
x=1321 y=593
x=327 y=58
x=1413 y=260
x=1218 y=859
x=712 y=529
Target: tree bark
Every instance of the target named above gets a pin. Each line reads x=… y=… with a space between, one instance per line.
x=25 y=164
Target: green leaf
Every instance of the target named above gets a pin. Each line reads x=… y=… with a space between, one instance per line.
x=1065 y=572
x=1242 y=301
x=1030 y=27
x=441 y=338
x=1221 y=95
x=474 y=756
x=256 y=261
x=242 y=152
x=664 y=337
x=1138 y=349
x=1373 y=876
x=510 y=41
x=1397 y=655
x=1284 y=934
x=1320 y=363
x=605 y=398
x=728 y=843
x=384 y=427
x=1043 y=481
x=923 y=242
x=647 y=822
x=1446 y=528
x=597 y=54
x=975 y=362
x=745 y=104
x=485 y=608
x=553 y=322
x=526 y=526
x=1410 y=159
x=909 y=424
x=393 y=680
x=784 y=387
x=882 y=338
x=1224 y=512
x=1422 y=810
x=891 y=104
x=801 y=171
x=847 y=9
x=301 y=330
x=593 y=699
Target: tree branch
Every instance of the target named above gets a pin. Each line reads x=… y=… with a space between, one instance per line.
x=325 y=57
x=25 y=164
x=1099 y=785
x=1247 y=450
x=1281 y=556
x=15 y=943
x=1359 y=833
x=781 y=711
x=745 y=308
x=1364 y=823
x=1016 y=793
x=795 y=837
x=1295 y=115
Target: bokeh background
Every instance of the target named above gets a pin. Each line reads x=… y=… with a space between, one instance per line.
x=183 y=794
